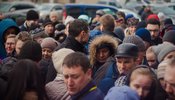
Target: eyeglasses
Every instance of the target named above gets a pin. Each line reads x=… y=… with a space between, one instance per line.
x=153 y=30
x=10 y=43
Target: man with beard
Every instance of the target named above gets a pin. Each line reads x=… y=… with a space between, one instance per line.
x=77 y=37
x=170 y=79
x=31 y=22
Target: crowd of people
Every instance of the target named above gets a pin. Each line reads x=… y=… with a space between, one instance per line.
x=109 y=57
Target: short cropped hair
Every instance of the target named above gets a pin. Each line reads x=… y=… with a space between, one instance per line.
x=153 y=21
x=77 y=59
x=107 y=21
x=76 y=26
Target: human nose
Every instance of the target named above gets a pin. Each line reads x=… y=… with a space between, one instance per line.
x=45 y=52
x=140 y=92
x=168 y=88
x=123 y=65
x=101 y=54
x=69 y=82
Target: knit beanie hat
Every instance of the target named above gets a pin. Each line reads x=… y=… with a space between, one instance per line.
x=157 y=48
x=122 y=93
x=161 y=70
x=141 y=24
x=153 y=16
x=132 y=21
x=47 y=22
x=100 y=12
x=144 y=34
x=49 y=43
x=135 y=40
x=68 y=19
x=168 y=21
x=32 y=15
x=128 y=16
x=169 y=36
x=60 y=27
x=58 y=57
x=164 y=51
x=119 y=32
x=161 y=16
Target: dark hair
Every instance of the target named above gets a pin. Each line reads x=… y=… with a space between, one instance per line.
x=77 y=59
x=153 y=21
x=120 y=13
x=31 y=50
x=77 y=26
x=24 y=77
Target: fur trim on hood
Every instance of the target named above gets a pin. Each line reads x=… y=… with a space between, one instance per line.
x=99 y=40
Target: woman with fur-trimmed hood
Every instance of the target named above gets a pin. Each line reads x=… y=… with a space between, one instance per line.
x=100 y=49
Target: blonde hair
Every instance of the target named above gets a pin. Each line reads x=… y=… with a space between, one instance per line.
x=142 y=71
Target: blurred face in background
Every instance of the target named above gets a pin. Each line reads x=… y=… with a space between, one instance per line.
x=46 y=53
x=132 y=29
x=18 y=46
x=10 y=45
x=54 y=16
x=151 y=59
x=170 y=82
x=49 y=29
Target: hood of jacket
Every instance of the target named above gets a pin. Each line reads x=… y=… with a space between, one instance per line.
x=4 y=25
x=99 y=40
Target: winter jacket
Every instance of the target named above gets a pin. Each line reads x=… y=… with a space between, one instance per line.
x=89 y=92
x=73 y=44
x=96 y=43
x=70 y=43
x=57 y=90
x=4 y=25
x=109 y=79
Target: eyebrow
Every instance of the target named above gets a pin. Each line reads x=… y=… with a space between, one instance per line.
x=172 y=84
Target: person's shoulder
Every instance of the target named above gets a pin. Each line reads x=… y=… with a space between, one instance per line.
x=95 y=95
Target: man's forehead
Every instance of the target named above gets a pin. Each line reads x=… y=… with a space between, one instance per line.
x=152 y=25
x=72 y=68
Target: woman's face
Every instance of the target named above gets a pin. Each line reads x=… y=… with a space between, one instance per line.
x=103 y=54
x=141 y=84
x=46 y=53
x=132 y=29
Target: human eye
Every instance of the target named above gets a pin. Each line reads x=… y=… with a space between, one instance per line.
x=75 y=76
x=147 y=88
x=136 y=86
x=173 y=85
x=66 y=76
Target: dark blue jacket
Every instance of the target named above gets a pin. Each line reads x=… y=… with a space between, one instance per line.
x=90 y=92
x=109 y=79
